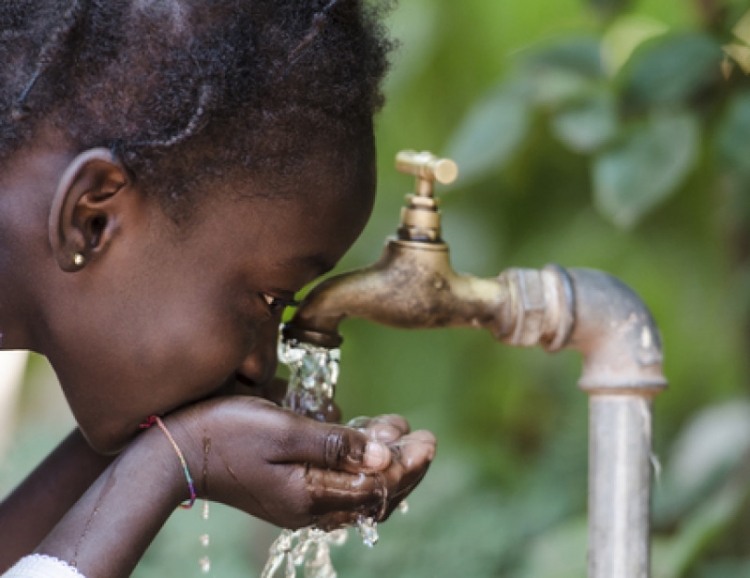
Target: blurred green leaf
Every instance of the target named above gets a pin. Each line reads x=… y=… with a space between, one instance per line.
x=725 y=569
x=588 y=125
x=556 y=87
x=707 y=450
x=490 y=133
x=609 y=8
x=633 y=178
x=734 y=137
x=626 y=34
x=579 y=54
x=715 y=439
x=676 y=555
x=708 y=471
x=565 y=71
x=672 y=69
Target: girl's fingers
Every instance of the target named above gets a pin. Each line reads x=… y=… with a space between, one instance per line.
x=333 y=447
x=387 y=428
x=394 y=420
x=332 y=490
x=338 y=498
x=343 y=492
x=416 y=448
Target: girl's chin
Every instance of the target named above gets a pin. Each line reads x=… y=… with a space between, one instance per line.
x=111 y=440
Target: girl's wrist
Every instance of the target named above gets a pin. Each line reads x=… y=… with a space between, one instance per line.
x=157 y=422
x=156 y=455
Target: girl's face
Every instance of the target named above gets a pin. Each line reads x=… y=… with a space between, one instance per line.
x=169 y=316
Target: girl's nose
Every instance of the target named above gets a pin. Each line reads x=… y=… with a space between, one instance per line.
x=259 y=367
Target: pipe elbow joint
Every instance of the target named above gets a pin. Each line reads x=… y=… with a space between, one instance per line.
x=616 y=334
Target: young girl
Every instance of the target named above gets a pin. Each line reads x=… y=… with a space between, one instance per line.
x=171 y=173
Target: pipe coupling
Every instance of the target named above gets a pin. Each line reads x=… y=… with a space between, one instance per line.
x=541 y=307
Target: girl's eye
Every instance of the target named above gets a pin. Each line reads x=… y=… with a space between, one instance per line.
x=276 y=304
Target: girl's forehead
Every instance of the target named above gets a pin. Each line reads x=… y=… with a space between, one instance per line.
x=330 y=173
x=322 y=198
x=318 y=206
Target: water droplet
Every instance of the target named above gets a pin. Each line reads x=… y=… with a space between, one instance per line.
x=205 y=564
x=290 y=571
x=368 y=530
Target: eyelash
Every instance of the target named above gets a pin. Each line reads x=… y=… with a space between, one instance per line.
x=275 y=304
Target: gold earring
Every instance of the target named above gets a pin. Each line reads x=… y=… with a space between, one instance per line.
x=79 y=259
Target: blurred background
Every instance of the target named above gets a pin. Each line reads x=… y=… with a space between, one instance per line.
x=609 y=134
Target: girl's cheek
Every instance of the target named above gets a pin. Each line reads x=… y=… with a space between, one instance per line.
x=222 y=357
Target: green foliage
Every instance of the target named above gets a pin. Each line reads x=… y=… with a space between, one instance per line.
x=641 y=126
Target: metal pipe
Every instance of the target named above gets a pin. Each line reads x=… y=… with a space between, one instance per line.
x=622 y=372
x=619 y=486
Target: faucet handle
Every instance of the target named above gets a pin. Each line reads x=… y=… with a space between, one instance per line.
x=427 y=168
x=420 y=219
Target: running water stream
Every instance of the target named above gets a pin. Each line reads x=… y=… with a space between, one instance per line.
x=313 y=373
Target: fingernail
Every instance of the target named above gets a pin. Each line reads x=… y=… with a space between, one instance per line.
x=377 y=455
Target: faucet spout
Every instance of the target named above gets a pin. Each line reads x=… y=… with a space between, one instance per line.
x=412 y=286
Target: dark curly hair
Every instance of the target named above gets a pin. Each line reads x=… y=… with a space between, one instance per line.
x=187 y=90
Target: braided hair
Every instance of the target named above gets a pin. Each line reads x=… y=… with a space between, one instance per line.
x=187 y=90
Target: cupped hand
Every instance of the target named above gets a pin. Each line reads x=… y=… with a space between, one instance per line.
x=293 y=471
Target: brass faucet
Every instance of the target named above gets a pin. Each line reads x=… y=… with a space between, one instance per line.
x=413 y=285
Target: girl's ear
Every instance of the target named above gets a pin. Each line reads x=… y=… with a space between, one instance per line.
x=86 y=208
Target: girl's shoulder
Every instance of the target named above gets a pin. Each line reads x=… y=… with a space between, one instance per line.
x=41 y=566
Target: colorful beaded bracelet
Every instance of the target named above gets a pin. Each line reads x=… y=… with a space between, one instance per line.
x=155 y=419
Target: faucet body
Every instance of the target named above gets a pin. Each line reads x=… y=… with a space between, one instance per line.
x=413 y=286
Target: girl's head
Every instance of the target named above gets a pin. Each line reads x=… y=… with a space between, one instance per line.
x=166 y=168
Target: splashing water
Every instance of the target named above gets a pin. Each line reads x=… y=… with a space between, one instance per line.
x=314 y=372
x=309 y=547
